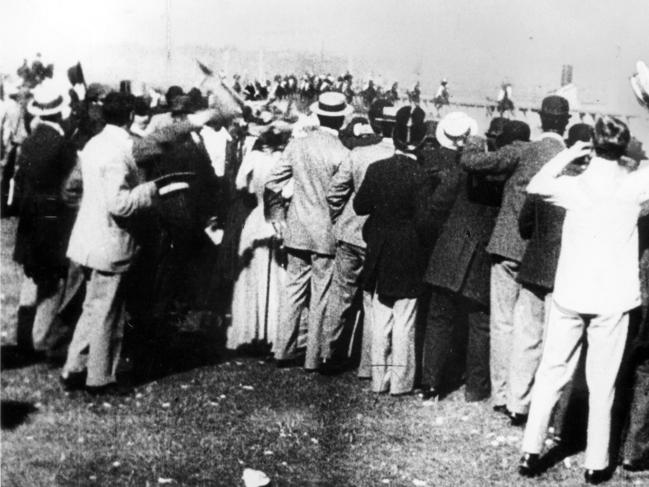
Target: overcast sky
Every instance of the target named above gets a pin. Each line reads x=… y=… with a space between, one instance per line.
x=523 y=40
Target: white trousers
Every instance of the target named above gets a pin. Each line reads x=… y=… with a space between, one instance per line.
x=606 y=335
x=393 y=344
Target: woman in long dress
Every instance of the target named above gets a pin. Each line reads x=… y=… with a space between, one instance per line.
x=256 y=295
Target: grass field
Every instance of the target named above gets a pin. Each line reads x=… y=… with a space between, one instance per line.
x=202 y=427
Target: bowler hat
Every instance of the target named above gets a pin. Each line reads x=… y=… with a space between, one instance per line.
x=409 y=128
x=75 y=75
x=496 y=126
x=556 y=106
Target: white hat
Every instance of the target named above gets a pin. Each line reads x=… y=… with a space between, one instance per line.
x=454 y=126
x=331 y=104
x=640 y=83
x=48 y=100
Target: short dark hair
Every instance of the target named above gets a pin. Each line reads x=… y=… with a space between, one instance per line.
x=117 y=108
x=554 y=123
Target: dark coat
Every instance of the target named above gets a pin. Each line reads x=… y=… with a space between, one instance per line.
x=459 y=261
x=396 y=254
x=45 y=223
x=542 y=223
x=520 y=161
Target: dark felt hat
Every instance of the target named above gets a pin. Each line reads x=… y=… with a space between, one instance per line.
x=496 y=126
x=75 y=75
x=181 y=104
x=409 y=128
x=556 y=106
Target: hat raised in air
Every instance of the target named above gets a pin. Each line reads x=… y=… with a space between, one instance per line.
x=640 y=83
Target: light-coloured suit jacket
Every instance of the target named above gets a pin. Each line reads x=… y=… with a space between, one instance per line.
x=348 y=226
x=310 y=161
x=112 y=192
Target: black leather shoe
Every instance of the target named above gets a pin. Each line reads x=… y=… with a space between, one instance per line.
x=528 y=466
x=332 y=367
x=290 y=362
x=631 y=466
x=516 y=419
x=596 y=477
x=428 y=394
x=75 y=381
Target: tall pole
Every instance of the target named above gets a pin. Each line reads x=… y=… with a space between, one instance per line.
x=168 y=39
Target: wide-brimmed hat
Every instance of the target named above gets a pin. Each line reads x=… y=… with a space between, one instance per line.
x=556 y=106
x=331 y=104
x=453 y=127
x=515 y=130
x=48 y=100
x=640 y=83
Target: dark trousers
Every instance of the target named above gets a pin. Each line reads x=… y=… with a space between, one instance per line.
x=446 y=312
x=636 y=445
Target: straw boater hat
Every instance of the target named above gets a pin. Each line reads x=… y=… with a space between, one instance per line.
x=48 y=100
x=454 y=126
x=640 y=83
x=331 y=104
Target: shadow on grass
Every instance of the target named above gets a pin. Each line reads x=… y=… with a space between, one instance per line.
x=15 y=413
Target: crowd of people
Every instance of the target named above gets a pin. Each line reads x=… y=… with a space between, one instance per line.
x=414 y=251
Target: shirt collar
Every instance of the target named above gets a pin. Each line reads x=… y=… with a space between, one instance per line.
x=552 y=135
x=329 y=131
x=407 y=154
x=53 y=125
x=115 y=131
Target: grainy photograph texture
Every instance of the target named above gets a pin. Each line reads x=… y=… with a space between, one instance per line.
x=324 y=243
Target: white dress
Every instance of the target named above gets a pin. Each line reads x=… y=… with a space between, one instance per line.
x=255 y=312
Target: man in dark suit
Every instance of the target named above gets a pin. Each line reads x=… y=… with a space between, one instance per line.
x=518 y=162
x=462 y=211
x=395 y=254
x=45 y=223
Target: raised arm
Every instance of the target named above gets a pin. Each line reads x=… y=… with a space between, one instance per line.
x=476 y=159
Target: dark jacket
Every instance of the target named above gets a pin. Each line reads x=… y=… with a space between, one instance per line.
x=541 y=223
x=396 y=255
x=520 y=161
x=459 y=261
x=45 y=223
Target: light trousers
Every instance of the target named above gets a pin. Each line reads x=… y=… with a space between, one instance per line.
x=393 y=344
x=504 y=291
x=530 y=313
x=606 y=335
x=100 y=330
x=307 y=284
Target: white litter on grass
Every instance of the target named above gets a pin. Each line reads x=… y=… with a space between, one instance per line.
x=567 y=462
x=184 y=386
x=495 y=443
x=255 y=478
x=247 y=388
x=464 y=418
x=38 y=405
x=212 y=403
x=138 y=395
x=222 y=396
x=268 y=452
x=238 y=363
x=385 y=481
x=93 y=477
x=80 y=439
x=107 y=405
x=116 y=464
x=166 y=404
x=500 y=439
x=439 y=421
x=314 y=441
x=419 y=483
x=164 y=480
